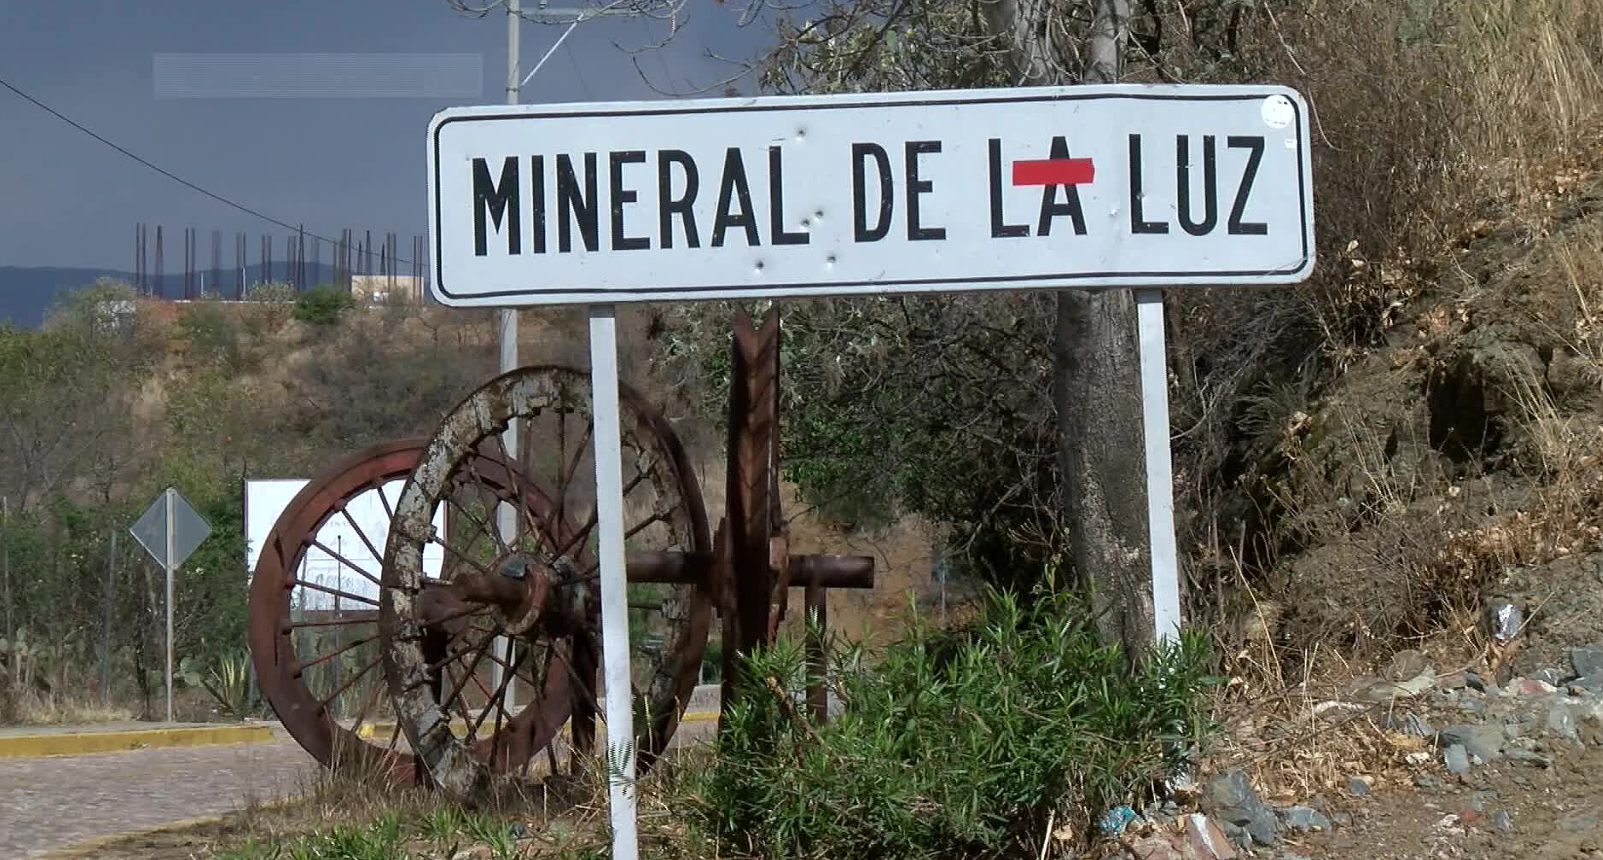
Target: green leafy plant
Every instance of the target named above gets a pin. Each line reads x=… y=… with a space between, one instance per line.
x=497 y=835
x=323 y=305
x=956 y=744
x=228 y=682
x=442 y=824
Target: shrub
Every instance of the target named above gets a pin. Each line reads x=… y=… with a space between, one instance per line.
x=957 y=744
x=322 y=305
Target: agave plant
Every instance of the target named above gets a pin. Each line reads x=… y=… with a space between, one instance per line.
x=228 y=683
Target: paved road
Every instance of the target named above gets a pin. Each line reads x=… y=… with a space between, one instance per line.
x=52 y=801
x=48 y=802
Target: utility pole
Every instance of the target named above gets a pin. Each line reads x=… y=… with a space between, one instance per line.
x=507 y=515
x=603 y=349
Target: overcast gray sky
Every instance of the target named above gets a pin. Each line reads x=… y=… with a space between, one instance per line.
x=68 y=200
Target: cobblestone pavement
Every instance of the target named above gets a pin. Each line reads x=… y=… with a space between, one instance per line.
x=51 y=801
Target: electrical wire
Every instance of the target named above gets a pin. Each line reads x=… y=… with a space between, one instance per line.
x=170 y=175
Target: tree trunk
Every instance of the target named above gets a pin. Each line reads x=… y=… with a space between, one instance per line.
x=1096 y=373
x=157 y=631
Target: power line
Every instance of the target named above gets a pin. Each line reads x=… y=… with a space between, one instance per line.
x=170 y=175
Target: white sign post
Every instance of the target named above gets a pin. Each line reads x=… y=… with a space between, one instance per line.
x=1129 y=186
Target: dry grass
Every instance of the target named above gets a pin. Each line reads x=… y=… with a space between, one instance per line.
x=1530 y=85
x=29 y=707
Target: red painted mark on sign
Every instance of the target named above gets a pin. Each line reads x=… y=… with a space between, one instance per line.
x=1053 y=171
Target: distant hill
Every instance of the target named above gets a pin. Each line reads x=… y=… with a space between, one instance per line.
x=27 y=293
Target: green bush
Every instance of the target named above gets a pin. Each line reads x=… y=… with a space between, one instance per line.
x=322 y=305
x=957 y=744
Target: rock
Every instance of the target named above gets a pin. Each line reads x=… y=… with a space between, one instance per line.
x=1502 y=822
x=1409 y=724
x=1548 y=676
x=1590 y=730
x=1205 y=840
x=1407 y=664
x=1503 y=620
x=1587 y=660
x=1425 y=780
x=1481 y=741
x=1156 y=848
x=1230 y=798
x=1238 y=835
x=1378 y=691
x=1529 y=688
x=1524 y=756
x=1560 y=722
x=1476 y=682
x=1303 y=818
x=1358 y=786
x=1456 y=759
x=1473 y=707
x=1113 y=822
x=1588 y=684
x=1580 y=822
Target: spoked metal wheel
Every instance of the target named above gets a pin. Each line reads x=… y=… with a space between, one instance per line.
x=313 y=611
x=531 y=580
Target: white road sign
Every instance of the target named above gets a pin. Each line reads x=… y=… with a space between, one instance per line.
x=187 y=532
x=1124 y=185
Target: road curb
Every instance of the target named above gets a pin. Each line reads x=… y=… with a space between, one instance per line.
x=82 y=743
x=95 y=846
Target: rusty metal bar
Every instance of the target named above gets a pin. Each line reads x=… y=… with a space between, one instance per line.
x=817 y=658
x=823 y=571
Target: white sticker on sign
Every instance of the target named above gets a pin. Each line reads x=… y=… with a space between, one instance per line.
x=912 y=192
x=1278 y=112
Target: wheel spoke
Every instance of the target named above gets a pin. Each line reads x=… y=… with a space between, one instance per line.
x=362 y=533
x=580 y=536
x=334 y=591
x=500 y=696
x=586 y=686
x=367 y=707
x=472 y=562
x=456 y=687
x=495 y=534
x=519 y=486
x=347 y=685
x=389 y=512
x=482 y=526
x=656 y=517
x=505 y=665
x=347 y=562
x=363 y=616
x=325 y=657
x=566 y=470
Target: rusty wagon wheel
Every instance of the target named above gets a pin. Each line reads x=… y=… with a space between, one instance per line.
x=539 y=586
x=313 y=613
